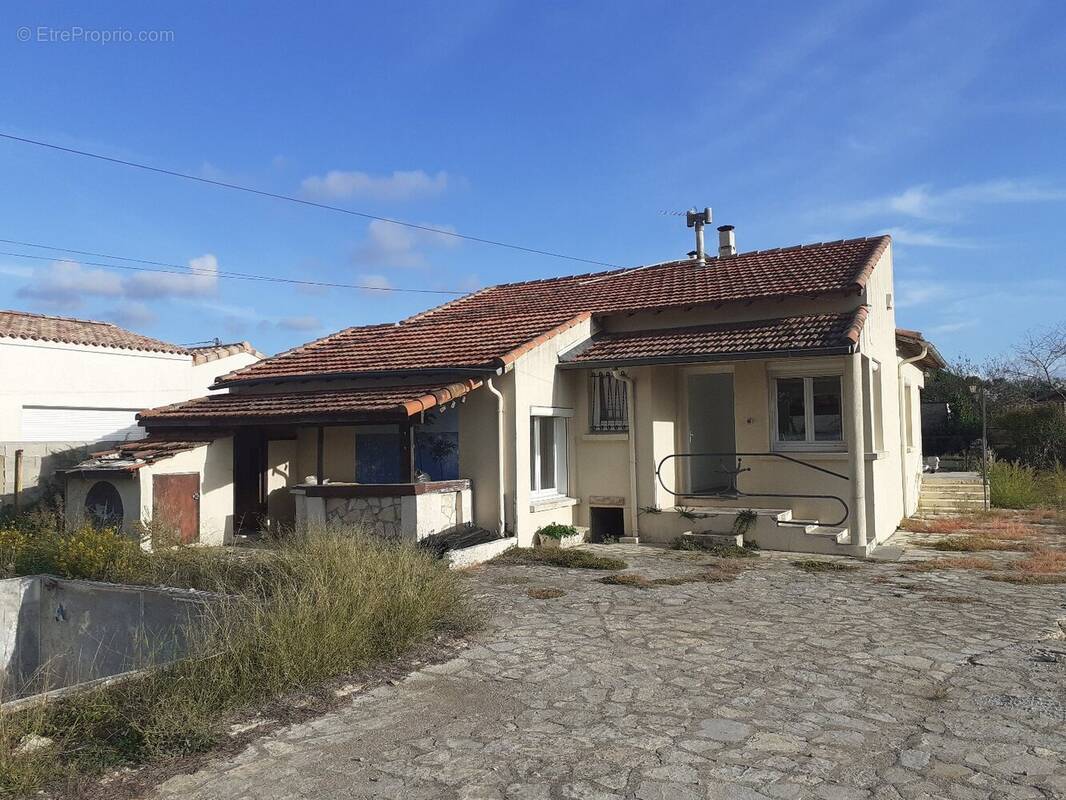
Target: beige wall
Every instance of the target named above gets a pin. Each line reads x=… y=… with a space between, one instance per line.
x=213 y=463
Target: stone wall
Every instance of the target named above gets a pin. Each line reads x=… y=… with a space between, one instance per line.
x=382 y=516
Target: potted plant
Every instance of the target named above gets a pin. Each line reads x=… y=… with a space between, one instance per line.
x=558 y=535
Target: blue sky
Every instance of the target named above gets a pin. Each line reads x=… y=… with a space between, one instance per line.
x=562 y=126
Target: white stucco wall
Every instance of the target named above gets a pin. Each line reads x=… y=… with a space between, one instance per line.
x=67 y=376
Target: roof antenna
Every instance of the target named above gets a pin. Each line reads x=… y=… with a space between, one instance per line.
x=697 y=219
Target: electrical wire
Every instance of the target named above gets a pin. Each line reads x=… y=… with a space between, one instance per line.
x=303 y=201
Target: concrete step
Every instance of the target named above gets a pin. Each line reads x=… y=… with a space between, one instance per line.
x=629 y=539
x=950 y=491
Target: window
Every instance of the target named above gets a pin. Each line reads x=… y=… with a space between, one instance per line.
x=808 y=413
x=608 y=404
x=547 y=456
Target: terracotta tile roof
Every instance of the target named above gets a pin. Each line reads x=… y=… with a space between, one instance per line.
x=321 y=405
x=910 y=343
x=487 y=328
x=213 y=352
x=794 y=335
x=131 y=456
x=39 y=327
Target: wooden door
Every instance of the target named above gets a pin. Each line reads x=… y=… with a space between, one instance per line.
x=176 y=504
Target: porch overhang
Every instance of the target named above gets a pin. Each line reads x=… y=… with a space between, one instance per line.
x=786 y=337
x=367 y=404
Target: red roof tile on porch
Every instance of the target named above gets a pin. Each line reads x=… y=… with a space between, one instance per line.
x=322 y=405
x=811 y=334
x=491 y=327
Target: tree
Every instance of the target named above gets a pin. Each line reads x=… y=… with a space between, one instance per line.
x=1038 y=364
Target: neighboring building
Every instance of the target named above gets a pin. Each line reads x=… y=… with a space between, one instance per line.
x=637 y=402
x=72 y=385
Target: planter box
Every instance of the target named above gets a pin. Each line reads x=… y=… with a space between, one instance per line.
x=567 y=541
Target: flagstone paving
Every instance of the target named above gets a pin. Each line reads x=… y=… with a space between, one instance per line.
x=871 y=683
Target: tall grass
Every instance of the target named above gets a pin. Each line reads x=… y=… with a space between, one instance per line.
x=1014 y=485
x=321 y=605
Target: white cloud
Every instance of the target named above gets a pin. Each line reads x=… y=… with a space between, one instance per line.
x=389 y=245
x=133 y=314
x=202 y=281
x=374 y=282
x=400 y=185
x=923 y=202
x=926 y=238
x=916 y=293
x=65 y=285
x=951 y=327
x=16 y=272
x=302 y=323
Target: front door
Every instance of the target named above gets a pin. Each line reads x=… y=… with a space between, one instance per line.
x=176 y=505
x=711 y=429
x=249 y=480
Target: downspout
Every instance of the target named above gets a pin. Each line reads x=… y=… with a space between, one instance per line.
x=902 y=412
x=502 y=521
x=631 y=401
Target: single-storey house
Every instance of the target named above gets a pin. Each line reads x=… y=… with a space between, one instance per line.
x=641 y=403
x=71 y=386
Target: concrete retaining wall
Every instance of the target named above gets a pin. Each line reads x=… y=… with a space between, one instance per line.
x=56 y=633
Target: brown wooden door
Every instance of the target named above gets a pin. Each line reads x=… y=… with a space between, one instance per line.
x=176 y=504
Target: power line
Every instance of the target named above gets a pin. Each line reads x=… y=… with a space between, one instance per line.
x=179 y=269
x=302 y=201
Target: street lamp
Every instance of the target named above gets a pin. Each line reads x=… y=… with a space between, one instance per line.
x=976 y=384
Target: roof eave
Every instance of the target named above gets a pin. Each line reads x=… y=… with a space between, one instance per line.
x=705 y=358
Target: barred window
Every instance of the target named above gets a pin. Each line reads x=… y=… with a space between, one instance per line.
x=608 y=404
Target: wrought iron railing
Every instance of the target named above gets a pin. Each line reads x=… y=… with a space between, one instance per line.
x=731 y=490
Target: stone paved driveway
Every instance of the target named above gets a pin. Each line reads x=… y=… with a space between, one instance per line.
x=781 y=684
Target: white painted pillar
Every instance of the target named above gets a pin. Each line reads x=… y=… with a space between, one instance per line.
x=856 y=450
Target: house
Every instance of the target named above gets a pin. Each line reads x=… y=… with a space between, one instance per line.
x=641 y=402
x=72 y=385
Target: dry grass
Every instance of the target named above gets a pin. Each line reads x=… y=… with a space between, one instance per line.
x=551 y=557
x=1040 y=567
x=815 y=565
x=973 y=543
x=325 y=604
x=958 y=562
x=545 y=593
x=634 y=580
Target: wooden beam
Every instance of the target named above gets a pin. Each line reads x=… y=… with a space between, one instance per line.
x=407 y=452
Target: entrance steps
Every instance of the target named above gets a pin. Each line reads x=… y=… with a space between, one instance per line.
x=951 y=493
x=775 y=529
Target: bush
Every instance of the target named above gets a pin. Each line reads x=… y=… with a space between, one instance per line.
x=1013 y=485
x=557 y=531
x=320 y=606
x=571 y=558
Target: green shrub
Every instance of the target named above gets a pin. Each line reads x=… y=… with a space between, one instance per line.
x=557 y=531
x=1013 y=485
x=713 y=548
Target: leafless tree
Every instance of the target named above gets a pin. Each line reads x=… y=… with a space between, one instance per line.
x=1040 y=362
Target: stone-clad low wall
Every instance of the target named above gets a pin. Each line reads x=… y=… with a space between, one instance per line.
x=408 y=511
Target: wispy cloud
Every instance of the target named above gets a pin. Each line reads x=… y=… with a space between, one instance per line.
x=916 y=293
x=400 y=185
x=927 y=238
x=302 y=323
x=924 y=202
x=201 y=281
x=388 y=245
x=133 y=314
x=64 y=285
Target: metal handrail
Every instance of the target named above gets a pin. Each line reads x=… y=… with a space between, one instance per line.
x=734 y=491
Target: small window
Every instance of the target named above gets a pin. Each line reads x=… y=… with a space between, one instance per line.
x=547 y=456
x=808 y=412
x=103 y=506
x=608 y=404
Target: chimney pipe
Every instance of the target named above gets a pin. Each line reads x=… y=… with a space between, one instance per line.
x=727 y=241
x=697 y=219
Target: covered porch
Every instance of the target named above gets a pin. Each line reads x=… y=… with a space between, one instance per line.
x=784 y=417
x=384 y=457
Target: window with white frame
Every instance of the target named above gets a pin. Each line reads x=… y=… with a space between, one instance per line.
x=608 y=404
x=808 y=412
x=547 y=455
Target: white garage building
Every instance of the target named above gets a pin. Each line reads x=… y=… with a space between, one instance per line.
x=71 y=386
